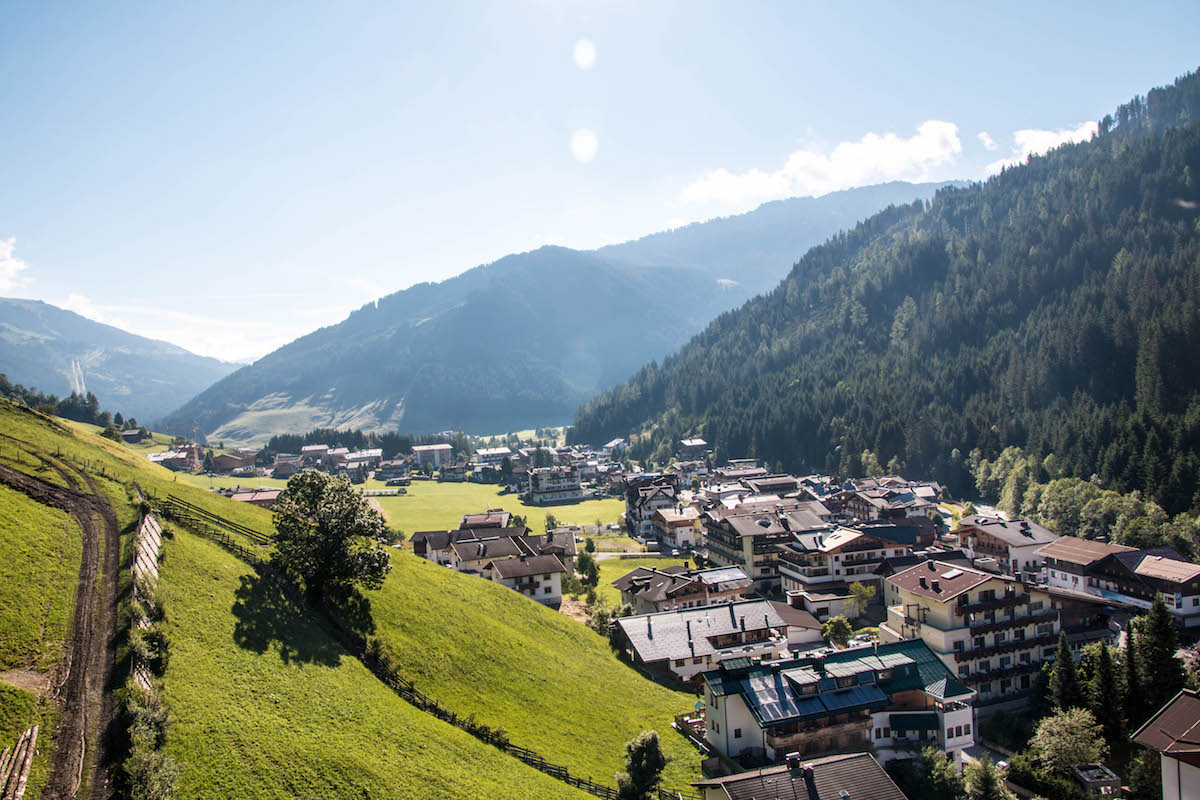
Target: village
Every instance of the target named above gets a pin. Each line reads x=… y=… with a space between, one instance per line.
x=848 y=625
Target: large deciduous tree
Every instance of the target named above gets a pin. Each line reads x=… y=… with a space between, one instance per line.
x=328 y=537
x=1067 y=738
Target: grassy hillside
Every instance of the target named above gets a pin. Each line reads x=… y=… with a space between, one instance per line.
x=553 y=684
x=267 y=706
x=39 y=566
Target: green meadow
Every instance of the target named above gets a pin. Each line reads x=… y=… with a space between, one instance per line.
x=552 y=683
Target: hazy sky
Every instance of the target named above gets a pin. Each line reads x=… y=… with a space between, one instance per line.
x=228 y=176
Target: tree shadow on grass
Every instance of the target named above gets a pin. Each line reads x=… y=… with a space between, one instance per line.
x=268 y=615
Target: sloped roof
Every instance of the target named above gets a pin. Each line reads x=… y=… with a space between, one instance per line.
x=859 y=775
x=688 y=633
x=1080 y=551
x=960 y=579
x=1014 y=532
x=1175 y=729
x=527 y=565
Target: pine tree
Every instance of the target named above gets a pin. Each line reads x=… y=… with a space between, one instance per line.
x=1134 y=700
x=1161 y=669
x=1064 y=679
x=1105 y=697
x=644 y=763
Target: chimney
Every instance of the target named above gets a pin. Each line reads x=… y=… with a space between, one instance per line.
x=649 y=630
x=932 y=566
x=924 y=583
x=793 y=760
x=937 y=586
x=689 y=630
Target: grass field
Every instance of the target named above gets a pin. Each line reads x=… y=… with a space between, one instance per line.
x=267 y=706
x=613 y=568
x=433 y=506
x=551 y=682
x=40 y=550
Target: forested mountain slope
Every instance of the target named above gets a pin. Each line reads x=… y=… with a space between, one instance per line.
x=1055 y=307
x=59 y=351
x=523 y=341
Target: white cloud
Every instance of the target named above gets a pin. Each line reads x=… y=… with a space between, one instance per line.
x=872 y=159
x=11 y=267
x=1031 y=141
x=584 y=144
x=988 y=142
x=584 y=54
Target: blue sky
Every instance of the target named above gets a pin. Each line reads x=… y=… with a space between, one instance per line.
x=228 y=176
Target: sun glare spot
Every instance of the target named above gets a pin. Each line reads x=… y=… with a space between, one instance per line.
x=585 y=54
x=583 y=145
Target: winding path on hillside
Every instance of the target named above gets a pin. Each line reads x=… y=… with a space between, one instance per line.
x=85 y=703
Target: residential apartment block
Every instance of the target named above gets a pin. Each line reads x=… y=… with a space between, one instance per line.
x=991 y=630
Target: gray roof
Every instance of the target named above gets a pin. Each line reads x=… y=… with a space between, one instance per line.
x=656 y=585
x=475 y=549
x=859 y=775
x=1014 y=532
x=688 y=633
x=527 y=565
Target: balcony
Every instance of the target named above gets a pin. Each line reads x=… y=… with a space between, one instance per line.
x=1007 y=647
x=1004 y=601
x=815 y=736
x=1019 y=621
x=1014 y=670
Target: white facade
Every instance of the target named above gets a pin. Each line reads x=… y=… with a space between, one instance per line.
x=545 y=588
x=554 y=485
x=1180 y=780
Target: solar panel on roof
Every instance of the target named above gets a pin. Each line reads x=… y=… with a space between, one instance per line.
x=952 y=574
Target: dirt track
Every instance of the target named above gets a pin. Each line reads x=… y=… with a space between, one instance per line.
x=79 y=766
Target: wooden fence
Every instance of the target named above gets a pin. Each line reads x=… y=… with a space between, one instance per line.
x=210 y=526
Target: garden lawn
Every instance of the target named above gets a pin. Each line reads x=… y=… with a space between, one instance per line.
x=266 y=705
x=613 y=568
x=433 y=506
x=552 y=683
x=40 y=551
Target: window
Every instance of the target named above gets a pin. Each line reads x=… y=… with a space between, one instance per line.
x=1024 y=681
x=716 y=726
x=957 y=731
x=964 y=671
x=967 y=730
x=737 y=733
x=978 y=642
x=1195 y=601
x=959 y=646
x=879 y=733
x=985 y=688
x=887 y=733
x=697 y=660
x=679 y=662
x=1005 y=686
x=548 y=590
x=1005 y=662
x=1000 y=637
x=1019 y=635
x=1024 y=658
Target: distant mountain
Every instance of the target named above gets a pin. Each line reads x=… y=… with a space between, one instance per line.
x=521 y=342
x=1055 y=307
x=59 y=351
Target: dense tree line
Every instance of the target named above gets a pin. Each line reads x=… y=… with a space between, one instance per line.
x=1055 y=307
x=77 y=407
x=1030 y=488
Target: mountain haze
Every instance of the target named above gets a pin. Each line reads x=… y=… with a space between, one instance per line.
x=59 y=351
x=523 y=341
x=1055 y=307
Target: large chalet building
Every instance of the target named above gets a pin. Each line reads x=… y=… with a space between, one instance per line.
x=1125 y=575
x=651 y=590
x=1015 y=544
x=992 y=630
x=894 y=697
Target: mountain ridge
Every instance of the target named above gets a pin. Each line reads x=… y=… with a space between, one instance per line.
x=522 y=341
x=1053 y=308
x=59 y=351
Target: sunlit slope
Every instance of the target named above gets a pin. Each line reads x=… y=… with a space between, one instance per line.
x=553 y=684
x=266 y=705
